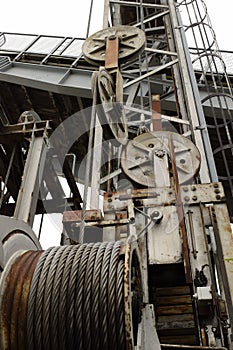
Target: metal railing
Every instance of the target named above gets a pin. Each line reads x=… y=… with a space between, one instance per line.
x=46 y=46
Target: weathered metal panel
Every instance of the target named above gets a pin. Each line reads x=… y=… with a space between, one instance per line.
x=164 y=240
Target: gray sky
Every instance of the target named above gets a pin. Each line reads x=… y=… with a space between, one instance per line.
x=50 y=17
x=220 y=13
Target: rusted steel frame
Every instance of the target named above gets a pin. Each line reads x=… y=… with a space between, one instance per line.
x=224 y=242
x=105 y=223
x=111 y=52
x=190 y=219
x=15 y=299
x=76 y=215
x=180 y=212
x=132 y=289
x=156 y=113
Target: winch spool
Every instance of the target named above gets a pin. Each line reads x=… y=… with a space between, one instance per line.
x=85 y=296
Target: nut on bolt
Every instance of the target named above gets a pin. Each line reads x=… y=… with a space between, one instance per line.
x=160 y=153
x=156 y=216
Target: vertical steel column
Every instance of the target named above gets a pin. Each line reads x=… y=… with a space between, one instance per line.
x=189 y=94
x=28 y=195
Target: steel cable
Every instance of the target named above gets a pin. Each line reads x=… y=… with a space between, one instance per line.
x=47 y=297
x=104 y=307
x=55 y=298
x=41 y=292
x=120 y=321
x=112 y=282
x=95 y=297
x=32 y=300
x=88 y=285
x=79 y=296
x=79 y=293
x=71 y=333
x=63 y=299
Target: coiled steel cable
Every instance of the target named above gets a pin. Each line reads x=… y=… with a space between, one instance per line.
x=55 y=297
x=32 y=300
x=87 y=307
x=95 y=297
x=74 y=299
x=71 y=293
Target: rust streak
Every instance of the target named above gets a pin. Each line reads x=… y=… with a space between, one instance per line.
x=180 y=214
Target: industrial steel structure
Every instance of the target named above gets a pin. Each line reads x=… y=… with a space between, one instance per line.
x=125 y=137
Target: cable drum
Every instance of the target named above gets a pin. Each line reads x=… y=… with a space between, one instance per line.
x=72 y=297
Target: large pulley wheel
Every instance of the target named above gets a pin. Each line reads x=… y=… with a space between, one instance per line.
x=78 y=297
x=140 y=156
x=110 y=108
x=131 y=43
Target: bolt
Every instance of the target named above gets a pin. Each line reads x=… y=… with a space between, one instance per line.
x=193 y=188
x=194 y=198
x=218 y=197
x=217 y=191
x=156 y=216
x=216 y=185
x=160 y=153
x=109 y=200
x=186 y=198
x=185 y=189
x=112 y=37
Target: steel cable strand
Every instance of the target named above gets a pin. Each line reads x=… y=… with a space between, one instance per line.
x=40 y=298
x=79 y=297
x=55 y=294
x=71 y=296
x=47 y=310
x=103 y=314
x=32 y=301
x=112 y=281
x=25 y=289
x=95 y=297
x=120 y=312
x=63 y=321
x=12 y=299
x=87 y=306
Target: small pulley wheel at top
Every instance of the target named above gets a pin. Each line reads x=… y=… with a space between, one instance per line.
x=110 y=105
x=131 y=43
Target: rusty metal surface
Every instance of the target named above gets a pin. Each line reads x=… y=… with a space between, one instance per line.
x=76 y=215
x=112 y=51
x=15 y=291
x=202 y=193
x=132 y=294
x=224 y=241
x=190 y=194
x=180 y=214
x=156 y=113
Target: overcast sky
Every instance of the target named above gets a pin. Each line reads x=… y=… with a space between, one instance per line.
x=69 y=19
x=220 y=13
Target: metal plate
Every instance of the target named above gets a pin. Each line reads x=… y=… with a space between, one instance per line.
x=150 y=151
x=131 y=43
